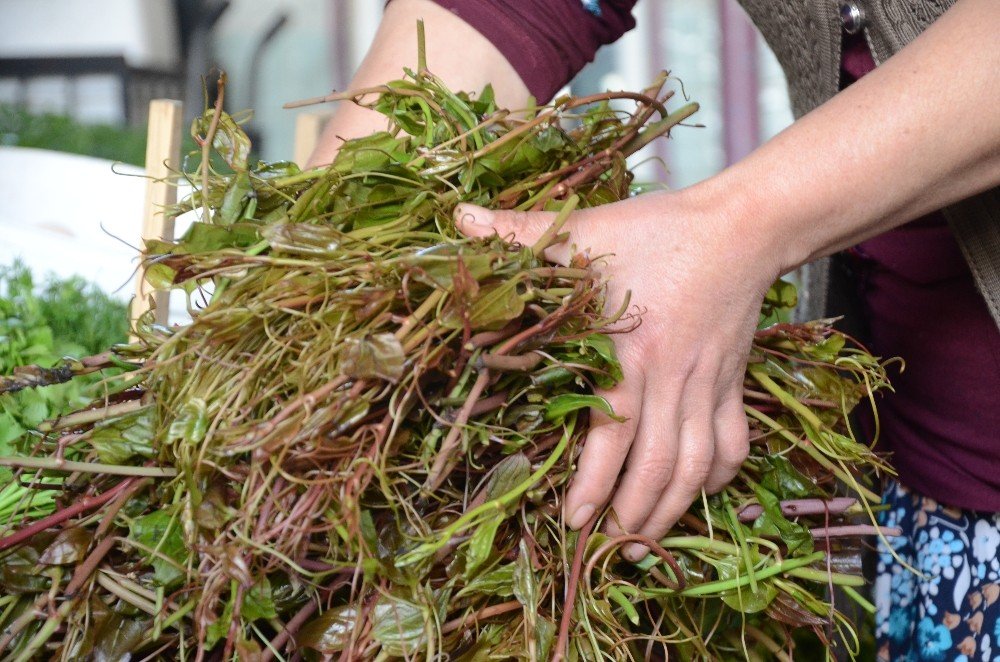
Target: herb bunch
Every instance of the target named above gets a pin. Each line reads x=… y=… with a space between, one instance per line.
x=359 y=446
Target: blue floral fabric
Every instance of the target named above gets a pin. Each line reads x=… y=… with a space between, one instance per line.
x=951 y=611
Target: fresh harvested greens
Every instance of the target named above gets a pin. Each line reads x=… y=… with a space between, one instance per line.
x=360 y=445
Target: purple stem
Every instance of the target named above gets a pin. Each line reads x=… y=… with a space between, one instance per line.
x=850 y=530
x=796 y=507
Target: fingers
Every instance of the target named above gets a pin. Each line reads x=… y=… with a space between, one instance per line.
x=694 y=440
x=604 y=451
x=523 y=227
x=732 y=440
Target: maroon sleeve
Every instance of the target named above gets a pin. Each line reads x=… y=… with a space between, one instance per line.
x=546 y=41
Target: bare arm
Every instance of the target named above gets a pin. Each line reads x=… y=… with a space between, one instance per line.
x=918 y=133
x=456 y=53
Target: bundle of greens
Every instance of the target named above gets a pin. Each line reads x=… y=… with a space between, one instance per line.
x=359 y=446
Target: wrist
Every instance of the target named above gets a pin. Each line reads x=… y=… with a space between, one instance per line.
x=747 y=230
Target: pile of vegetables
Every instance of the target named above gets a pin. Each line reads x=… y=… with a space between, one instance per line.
x=359 y=446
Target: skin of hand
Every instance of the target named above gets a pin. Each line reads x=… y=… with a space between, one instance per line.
x=683 y=392
x=918 y=133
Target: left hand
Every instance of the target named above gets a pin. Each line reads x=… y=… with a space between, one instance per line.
x=698 y=274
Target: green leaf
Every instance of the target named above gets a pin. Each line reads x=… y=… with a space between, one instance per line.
x=560 y=406
x=218 y=629
x=525 y=583
x=744 y=599
x=494 y=305
x=258 y=603
x=207 y=238
x=366 y=154
x=480 y=545
x=160 y=530
x=398 y=625
x=233 y=200
x=545 y=636
x=120 y=439
x=70 y=546
x=190 y=424
x=119 y=637
x=511 y=472
x=622 y=601
x=498 y=582
x=379 y=355
x=783 y=480
x=19 y=572
x=230 y=141
x=604 y=346
x=772 y=523
x=330 y=632
x=437 y=266
x=304 y=239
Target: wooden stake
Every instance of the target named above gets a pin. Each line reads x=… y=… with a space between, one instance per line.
x=308 y=126
x=163 y=157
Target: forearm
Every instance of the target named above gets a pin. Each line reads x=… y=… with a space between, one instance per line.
x=456 y=53
x=918 y=133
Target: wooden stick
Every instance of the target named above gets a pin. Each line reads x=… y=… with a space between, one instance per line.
x=308 y=126
x=163 y=157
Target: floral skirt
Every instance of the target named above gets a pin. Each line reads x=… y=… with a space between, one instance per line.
x=952 y=612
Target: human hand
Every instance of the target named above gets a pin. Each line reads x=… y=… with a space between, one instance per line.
x=698 y=277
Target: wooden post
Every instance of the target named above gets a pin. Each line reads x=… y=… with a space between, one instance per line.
x=163 y=157
x=308 y=126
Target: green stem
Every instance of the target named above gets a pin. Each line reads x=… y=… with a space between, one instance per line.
x=860 y=599
x=47 y=630
x=786 y=398
x=814 y=453
x=79 y=418
x=550 y=234
x=54 y=464
x=497 y=506
x=738 y=582
x=824 y=577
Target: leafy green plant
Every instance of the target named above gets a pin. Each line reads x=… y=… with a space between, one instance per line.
x=40 y=323
x=64 y=134
x=360 y=445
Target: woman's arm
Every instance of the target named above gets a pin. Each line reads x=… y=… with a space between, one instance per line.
x=918 y=133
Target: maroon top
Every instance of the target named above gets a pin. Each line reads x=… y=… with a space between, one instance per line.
x=546 y=41
x=943 y=421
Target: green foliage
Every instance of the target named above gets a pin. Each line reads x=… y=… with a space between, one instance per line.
x=64 y=134
x=40 y=323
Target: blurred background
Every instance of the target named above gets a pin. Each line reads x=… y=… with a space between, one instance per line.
x=77 y=76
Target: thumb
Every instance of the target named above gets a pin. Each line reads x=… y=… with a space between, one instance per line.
x=522 y=227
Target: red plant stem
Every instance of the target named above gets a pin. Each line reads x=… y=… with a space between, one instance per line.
x=795 y=507
x=439 y=470
x=85 y=569
x=571 y=584
x=482 y=614
x=58 y=517
x=489 y=404
x=289 y=630
x=849 y=530
x=653 y=546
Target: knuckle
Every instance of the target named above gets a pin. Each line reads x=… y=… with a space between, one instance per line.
x=654 y=472
x=733 y=444
x=691 y=476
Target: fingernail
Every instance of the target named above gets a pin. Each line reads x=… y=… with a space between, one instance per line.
x=581 y=516
x=636 y=552
x=474 y=216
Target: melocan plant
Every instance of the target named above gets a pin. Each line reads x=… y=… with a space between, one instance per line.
x=359 y=446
